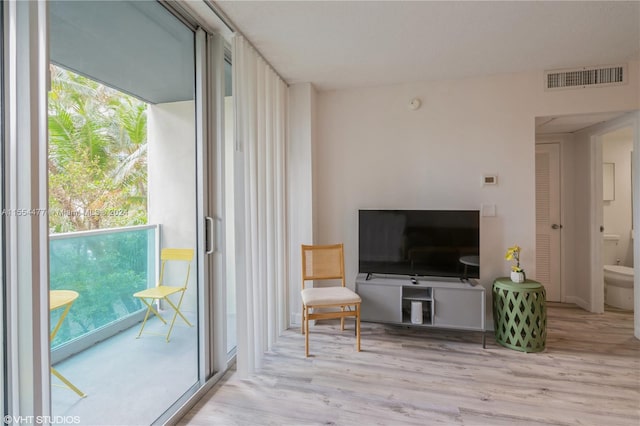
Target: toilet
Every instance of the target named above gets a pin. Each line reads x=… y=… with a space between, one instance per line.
x=618 y=279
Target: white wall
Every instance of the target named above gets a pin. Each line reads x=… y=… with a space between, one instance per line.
x=373 y=152
x=172 y=182
x=580 y=293
x=300 y=201
x=616 y=148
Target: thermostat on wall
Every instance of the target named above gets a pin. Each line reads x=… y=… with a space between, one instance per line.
x=490 y=179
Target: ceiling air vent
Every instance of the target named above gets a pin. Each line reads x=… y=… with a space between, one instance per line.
x=608 y=75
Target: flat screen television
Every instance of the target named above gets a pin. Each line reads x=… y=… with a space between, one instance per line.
x=441 y=243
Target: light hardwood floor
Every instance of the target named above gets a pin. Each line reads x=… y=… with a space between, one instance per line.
x=588 y=375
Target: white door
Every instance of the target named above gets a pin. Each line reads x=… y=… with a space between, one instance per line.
x=548 y=226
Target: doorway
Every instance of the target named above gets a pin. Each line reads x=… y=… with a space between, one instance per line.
x=580 y=139
x=618 y=235
x=614 y=146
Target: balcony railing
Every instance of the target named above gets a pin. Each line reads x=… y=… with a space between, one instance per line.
x=105 y=267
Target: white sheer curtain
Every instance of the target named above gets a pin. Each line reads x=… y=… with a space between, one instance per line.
x=260 y=113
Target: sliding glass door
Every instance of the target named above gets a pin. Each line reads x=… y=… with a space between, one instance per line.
x=114 y=242
x=123 y=188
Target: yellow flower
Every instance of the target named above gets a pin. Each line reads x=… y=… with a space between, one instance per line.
x=512 y=253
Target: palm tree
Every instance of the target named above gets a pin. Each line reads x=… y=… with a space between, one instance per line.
x=131 y=171
x=97 y=154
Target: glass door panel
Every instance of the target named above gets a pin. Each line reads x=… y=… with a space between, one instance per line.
x=122 y=189
x=229 y=214
x=3 y=408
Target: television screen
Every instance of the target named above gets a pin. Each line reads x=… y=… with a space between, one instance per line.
x=443 y=243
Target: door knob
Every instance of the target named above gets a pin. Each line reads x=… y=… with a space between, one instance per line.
x=556 y=226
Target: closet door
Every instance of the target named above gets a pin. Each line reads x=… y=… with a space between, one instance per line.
x=548 y=226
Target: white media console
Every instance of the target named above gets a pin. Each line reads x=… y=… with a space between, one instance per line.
x=445 y=302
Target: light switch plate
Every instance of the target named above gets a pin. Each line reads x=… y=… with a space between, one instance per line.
x=488 y=210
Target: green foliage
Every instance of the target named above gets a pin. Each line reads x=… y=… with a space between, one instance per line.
x=97 y=155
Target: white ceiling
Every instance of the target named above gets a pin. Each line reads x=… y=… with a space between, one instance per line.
x=340 y=44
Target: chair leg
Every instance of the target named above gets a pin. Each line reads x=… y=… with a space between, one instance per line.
x=177 y=310
x=342 y=319
x=143 y=323
x=304 y=310
x=306 y=334
x=68 y=383
x=175 y=315
x=146 y=316
x=152 y=309
x=358 y=327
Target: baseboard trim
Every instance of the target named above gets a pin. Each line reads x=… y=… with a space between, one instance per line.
x=578 y=301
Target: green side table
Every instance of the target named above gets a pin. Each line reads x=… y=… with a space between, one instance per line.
x=520 y=314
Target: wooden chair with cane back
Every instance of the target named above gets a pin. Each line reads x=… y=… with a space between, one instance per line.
x=326 y=262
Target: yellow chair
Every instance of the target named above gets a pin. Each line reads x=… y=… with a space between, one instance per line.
x=62 y=299
x=162 y=292
x=326 y=262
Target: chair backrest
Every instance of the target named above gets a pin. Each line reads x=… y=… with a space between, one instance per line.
x=174 y=254
x=323 y=262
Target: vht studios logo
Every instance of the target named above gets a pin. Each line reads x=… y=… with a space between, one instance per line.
x=41 y=420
